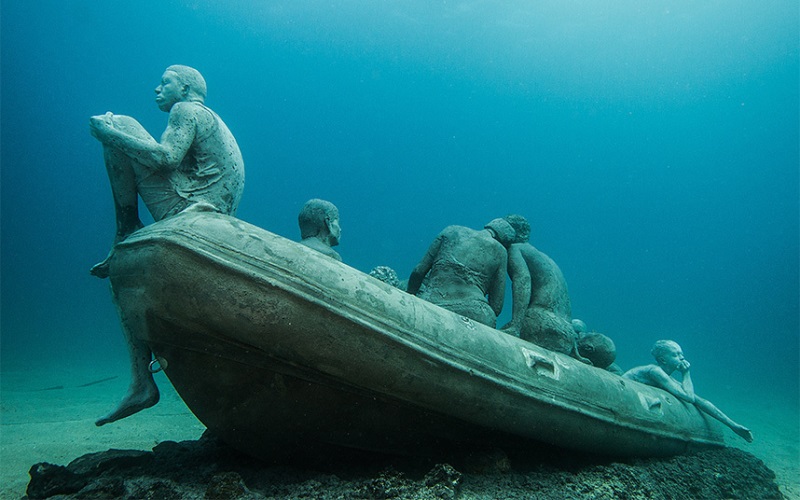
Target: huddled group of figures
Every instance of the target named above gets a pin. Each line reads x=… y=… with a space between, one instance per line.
x=197 y=166
x=464 y=271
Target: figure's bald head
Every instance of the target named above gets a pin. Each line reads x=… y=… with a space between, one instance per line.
x=191 y=78
x=598 y=349
x=313 y=217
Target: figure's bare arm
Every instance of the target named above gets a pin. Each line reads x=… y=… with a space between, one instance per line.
x=497 y=288
x=520 y=288
x=687 y=384
x=166 y=155
x=659 y=378
x=179 y=135
x=421 y=269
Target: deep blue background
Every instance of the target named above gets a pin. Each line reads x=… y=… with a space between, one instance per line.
x=652 y=145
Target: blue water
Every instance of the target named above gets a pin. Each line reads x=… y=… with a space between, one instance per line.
x=652 y=145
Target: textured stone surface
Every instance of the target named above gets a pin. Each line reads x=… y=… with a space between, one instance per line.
x=209 y=469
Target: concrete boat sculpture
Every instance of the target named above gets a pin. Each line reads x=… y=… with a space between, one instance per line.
x=280 y=349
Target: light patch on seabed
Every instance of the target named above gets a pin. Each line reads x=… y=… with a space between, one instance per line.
x=40 y=422
x=775 y=423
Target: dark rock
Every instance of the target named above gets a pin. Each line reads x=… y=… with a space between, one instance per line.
x=443 y=481
x=48 y=480
x=148 y=489
x=209 y=469
x=103 y=489
x=226 y=486
x=96 y=463
x=389 y=484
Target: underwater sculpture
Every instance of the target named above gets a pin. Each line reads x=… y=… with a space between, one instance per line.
x=541 y=307
x=463 y=267
x=197 y=166
x=319 y=227
x=669 y=356
x=597 y=348
x=279 y=350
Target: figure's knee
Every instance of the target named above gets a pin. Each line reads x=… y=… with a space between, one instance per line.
x=129 y=125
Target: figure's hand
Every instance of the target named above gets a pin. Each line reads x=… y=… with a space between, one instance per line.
x=684 y=366
x=100 y=125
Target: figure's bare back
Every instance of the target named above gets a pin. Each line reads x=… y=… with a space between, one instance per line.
x=467 y=261
x=548 y=286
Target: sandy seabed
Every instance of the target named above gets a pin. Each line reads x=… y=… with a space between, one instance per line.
x=48 y=416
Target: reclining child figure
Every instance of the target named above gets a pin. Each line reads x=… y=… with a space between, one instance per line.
x=669 y=357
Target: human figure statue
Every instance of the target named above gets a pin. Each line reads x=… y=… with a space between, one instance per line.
x=541 y=310
x=464 y=270
x=197 y=163
x=669 y=356
x=596 y=347
x=197 y=166
x=319 y=227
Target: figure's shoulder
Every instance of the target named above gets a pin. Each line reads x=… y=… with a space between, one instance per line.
x=451 y=230
x=520 y=248
x=528 y=252
x=640 y=373
x=187 y=108
x=184 y=107
x=533 y=254
x=498 y=247
x=531 y=251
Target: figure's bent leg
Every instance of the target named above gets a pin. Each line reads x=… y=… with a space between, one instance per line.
x=715 y=412
x=123 y=186
x=143 y=391
x=122 y=177
x=126 y=203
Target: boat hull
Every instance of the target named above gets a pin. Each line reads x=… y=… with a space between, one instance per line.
x=281 y=350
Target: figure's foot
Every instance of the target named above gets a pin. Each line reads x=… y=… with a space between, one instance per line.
x=744 y=432
x=134 y=402
x=102 y=268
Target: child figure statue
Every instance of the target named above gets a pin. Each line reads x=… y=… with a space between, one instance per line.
x=669 y=357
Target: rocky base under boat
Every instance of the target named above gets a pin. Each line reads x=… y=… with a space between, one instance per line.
x=207 y=468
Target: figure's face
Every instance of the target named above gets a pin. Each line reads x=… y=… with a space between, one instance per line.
x=671 y=358
x=169 y=92
x=335 y=229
